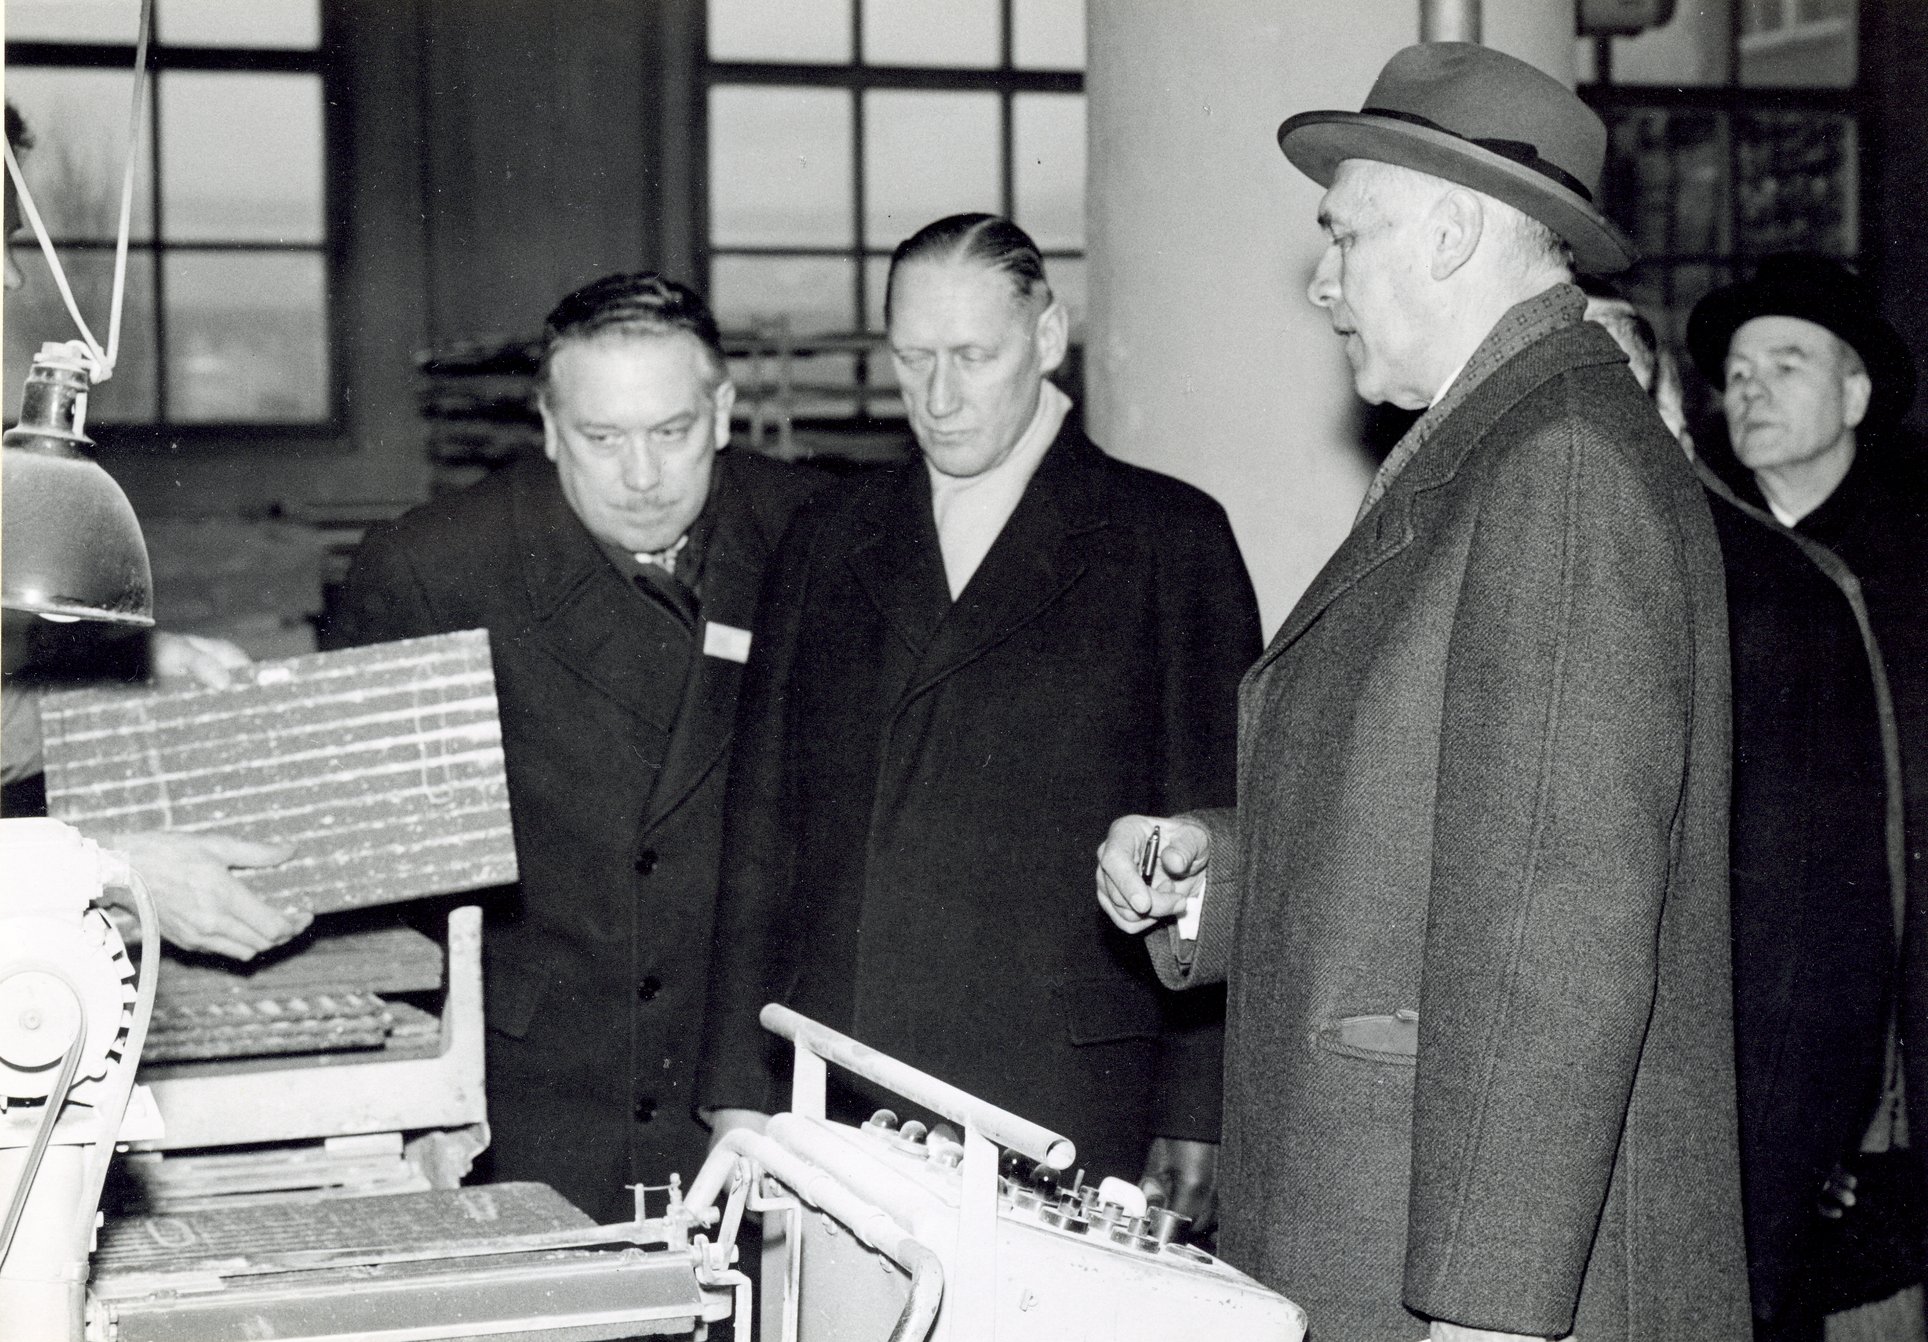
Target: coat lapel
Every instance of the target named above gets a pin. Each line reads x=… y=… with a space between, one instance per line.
x=732 y=576
x=898 y=567
x=1390 y=526
x=582 y=611
x=1034 y=560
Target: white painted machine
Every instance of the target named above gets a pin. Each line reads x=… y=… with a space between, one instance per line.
x=894 y=1231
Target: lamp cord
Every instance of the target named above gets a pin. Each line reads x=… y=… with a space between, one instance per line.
x=103 y=359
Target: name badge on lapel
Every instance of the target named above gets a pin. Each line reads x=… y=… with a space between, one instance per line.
x=726 y=641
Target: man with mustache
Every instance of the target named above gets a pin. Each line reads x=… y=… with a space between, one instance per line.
x=618 y=582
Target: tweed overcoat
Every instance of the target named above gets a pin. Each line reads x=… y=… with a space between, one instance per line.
x=918 y=784
x=1472 y=905
x=595 y=967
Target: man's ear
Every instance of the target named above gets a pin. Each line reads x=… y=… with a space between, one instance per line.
x=724 y=399
x=1454 y=230
x=1053 y=336
x=1857 y=390
x=551 y=442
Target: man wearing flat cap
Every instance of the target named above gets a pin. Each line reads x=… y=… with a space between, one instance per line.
x=1471 y=907
x=1822 y=519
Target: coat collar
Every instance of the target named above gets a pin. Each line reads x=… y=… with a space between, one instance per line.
x=1036 y=557
x=1388 y=527
x=572 y=590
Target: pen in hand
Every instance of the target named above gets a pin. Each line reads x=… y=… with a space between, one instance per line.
x=1148 y=868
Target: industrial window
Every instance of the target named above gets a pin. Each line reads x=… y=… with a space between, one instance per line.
x=226 y=319
x=1734 y=132
x=836 y=128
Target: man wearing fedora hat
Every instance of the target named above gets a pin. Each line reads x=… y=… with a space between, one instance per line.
x=1823 y=520
x=1471 y=907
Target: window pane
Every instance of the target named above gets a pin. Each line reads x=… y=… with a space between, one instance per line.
x=927 y=155
x=285 y=24
x=1666 y=180
x=220 y=185
x=1067 y=277
x=247 y=337
x=876 y=275
x=1803 y=44
x=794 y=30
x=1049 y=172
x=1797 y=182
x=814 y=384
x=780 y=167
x=1690 y=49
x=72 y=21
x=78 y=120
x=956 y=33
x=1048 y=34
x=815 y=293
x=35 y=315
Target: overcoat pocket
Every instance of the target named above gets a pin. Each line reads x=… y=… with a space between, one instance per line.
x=1104 y=1011
x=1392 y=1038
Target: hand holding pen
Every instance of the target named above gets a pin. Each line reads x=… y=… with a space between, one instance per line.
x=1149 y=868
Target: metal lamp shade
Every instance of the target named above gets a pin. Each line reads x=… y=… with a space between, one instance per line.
x=70 y=545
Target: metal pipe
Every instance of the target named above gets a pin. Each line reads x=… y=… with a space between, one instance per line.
x=1449 y=20
x=1000 y=1125
x=821 y=1189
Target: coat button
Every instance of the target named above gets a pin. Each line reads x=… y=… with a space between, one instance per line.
x=646 y=990
x=645 y=1109
x=646 y=861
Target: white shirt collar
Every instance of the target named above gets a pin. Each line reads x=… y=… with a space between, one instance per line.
x=971 y=511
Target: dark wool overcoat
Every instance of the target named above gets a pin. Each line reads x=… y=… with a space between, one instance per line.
x=1817 y=865
x=919 y=787
x=1472 y=905
x=615 y=730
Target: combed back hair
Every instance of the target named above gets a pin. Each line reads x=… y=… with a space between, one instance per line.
x=638 y=303
x=17 y=133
x=993 y=242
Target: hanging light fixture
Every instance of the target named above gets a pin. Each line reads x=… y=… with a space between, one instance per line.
x=70 y=545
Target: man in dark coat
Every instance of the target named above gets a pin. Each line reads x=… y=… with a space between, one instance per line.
x=1826 y=547
x=1472 y=905
x=619 y=587
x=966 y=661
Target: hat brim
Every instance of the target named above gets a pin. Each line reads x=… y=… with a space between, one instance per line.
x=1318 y=142
x=1891 y=366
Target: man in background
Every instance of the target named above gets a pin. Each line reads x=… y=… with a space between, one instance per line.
x=1820 y=509
x=1472 y=904
x=618 y=582
x=968 y=660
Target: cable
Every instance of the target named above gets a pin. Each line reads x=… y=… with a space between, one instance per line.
x=104 y=359
x=43 y=1135
x=136 y=120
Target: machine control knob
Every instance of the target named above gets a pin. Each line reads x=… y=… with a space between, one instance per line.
x=912 y=1131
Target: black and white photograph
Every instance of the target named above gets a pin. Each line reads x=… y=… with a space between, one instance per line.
x=964 y=670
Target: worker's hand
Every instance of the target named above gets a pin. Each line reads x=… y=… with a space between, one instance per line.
x=1122 y=892
x=724 y=1121
x=202 y=906
x=196 y=658
x=1182 y=1176
x=1454 y=1332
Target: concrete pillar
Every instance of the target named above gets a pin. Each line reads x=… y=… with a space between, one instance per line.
x=1204 y=359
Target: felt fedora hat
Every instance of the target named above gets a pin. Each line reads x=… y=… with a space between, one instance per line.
x=1817 y=289
x=1485 y=120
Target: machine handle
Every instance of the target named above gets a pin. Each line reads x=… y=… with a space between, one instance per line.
x=999 y=1125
